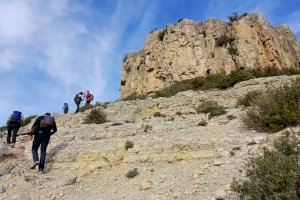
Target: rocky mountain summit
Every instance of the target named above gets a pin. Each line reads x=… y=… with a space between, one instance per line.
x=149 y=149
x=190 y=49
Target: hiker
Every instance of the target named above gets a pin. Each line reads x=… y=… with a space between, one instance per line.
x=42 y=129
x=65 y=108
x=78 y=98
x=88 y=97
x=13 y=124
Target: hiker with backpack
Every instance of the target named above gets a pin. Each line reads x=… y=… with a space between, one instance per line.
x=42 y=129
x=78 y=99
x=13 y=124
x=65 y=108
x=88 y=97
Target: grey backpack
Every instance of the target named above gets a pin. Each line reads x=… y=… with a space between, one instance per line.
x=47 y=121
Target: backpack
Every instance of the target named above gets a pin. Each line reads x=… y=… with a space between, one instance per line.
x=92 y=97
x=47 y=121
x=16 y=116
x=66 y=108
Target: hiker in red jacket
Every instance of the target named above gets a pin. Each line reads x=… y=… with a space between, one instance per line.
x=88 y=97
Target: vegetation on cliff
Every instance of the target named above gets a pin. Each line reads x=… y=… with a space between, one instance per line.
x=217 y=81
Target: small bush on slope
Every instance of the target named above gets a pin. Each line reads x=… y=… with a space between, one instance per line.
x=272 y=176
x=134 y=96
x=95 y=117
x=235 y=16
x=212 y=108
x=276 y=110
x=249 y=98
x=90 y=106
x=223 y=40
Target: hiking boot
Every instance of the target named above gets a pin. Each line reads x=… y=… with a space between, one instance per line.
x=41 y=171
x=36 y=163
x=12 y=145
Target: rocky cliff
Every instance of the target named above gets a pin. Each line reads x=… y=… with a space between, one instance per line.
x=175 y=155
x=190 y=49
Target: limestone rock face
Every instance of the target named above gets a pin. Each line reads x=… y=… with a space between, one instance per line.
x=190 y=49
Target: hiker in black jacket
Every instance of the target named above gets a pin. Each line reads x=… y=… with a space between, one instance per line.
x=42 y=129
x=78 y=98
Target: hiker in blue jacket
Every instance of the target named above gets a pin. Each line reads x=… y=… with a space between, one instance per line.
x=13 y=124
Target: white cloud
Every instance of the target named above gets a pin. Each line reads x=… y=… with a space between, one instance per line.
x=46 y=39
x=9 y=57
x=17 y=22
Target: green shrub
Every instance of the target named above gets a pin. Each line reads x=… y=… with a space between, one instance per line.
x=220 y=110
x=91 y=106
x=212 y=108
x=249 y=98
x=179 y=20
x=235 y=16
x=86 y=107
x=233 y=50
x=95 y=117
x=274 y=175
x=135 y=96
x=27 y=120
x=161 y=35
x=223 y=40
x=276 y=110
x=174 y=89
x=2 y=128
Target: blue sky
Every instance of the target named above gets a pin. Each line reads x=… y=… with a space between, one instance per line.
x=52 y=49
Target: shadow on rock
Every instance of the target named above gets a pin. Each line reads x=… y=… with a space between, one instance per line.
x=53 y=152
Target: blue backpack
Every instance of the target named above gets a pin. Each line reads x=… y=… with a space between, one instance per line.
x=66 y=108
x=16 y=116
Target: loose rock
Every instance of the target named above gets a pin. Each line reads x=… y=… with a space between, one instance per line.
x=132 y=173
x=146 y=185
x=220 y=194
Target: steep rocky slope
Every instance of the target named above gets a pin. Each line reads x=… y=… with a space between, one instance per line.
x=176 y=157
x=189 y=49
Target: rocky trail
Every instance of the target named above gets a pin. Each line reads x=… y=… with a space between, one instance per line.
x=175 y=157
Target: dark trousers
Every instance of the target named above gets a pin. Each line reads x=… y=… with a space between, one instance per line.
x=77 y=109
x=12 y=134
x=40 y=139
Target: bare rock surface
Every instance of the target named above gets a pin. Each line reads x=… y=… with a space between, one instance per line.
x=175 y=158
x=190 y=49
